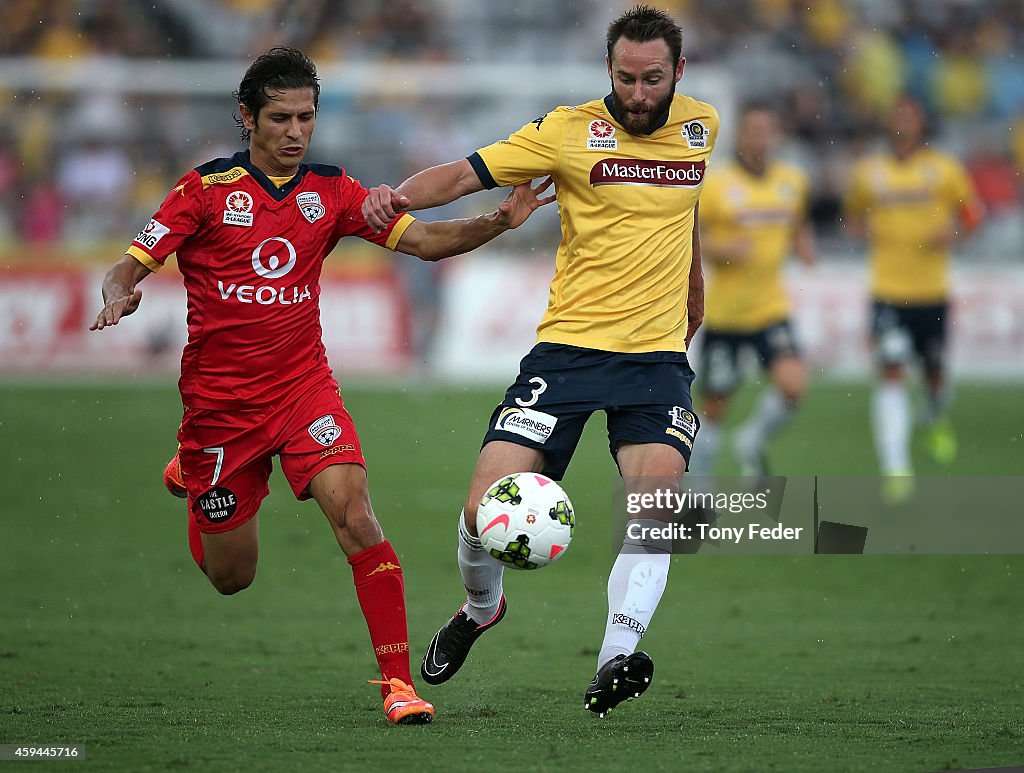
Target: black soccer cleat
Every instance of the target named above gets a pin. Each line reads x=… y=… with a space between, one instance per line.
x=621 y=679
x=450 y=646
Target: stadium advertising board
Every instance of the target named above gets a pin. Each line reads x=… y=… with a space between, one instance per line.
x=45 y=316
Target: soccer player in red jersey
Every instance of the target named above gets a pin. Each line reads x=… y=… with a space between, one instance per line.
x=251 y=233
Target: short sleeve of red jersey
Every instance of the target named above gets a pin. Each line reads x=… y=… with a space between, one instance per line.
x=351 y=222
x=177 y=219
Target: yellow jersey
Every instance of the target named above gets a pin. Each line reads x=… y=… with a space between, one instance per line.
x=909 y=206
x=626 y=206
x=764 y=210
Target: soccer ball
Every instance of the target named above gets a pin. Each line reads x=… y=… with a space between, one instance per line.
x=525 y=520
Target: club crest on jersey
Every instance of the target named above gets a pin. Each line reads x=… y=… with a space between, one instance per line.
x=602 y=136
x=238 y=209
x=324 y=431
x=696 y=134
x=310 y=206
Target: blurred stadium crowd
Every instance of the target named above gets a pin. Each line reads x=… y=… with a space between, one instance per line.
x=82 y=168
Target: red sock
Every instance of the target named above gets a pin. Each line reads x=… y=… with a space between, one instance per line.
x=381 y=590
x=195 y=542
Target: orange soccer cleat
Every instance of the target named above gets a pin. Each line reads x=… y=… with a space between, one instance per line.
x=403 y=706
x=173 y=478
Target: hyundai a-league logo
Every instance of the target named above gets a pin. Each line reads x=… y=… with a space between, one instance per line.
x=238 y=209
x=239 y=201
x=324 y=431
x=601 y=130
x=602 y=136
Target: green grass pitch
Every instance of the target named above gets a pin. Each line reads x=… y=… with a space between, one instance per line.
x=111 y=638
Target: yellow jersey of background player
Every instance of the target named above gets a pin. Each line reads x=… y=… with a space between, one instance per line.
x=912 y=207
x=911 y=204
x=763 y=211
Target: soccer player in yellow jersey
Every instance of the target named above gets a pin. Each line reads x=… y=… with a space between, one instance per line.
x=912 y=204
x=626 y=297
x=753 y=216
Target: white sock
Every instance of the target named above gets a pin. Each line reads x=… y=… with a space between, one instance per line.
x=635 y=585
x=705 y=449
x=481 y=575
x=890 y=415
x=773 y=412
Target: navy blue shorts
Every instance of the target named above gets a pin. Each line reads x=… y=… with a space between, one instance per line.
x=720 y=353
x=646 y=398
x=900 y=331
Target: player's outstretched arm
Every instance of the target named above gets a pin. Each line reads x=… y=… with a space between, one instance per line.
x=444 y=238
x=432 y=187
x=121 y=297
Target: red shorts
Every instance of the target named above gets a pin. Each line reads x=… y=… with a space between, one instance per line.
x=226 y=455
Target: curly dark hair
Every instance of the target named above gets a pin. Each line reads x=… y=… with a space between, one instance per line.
x=278 y=68
x=641 y=24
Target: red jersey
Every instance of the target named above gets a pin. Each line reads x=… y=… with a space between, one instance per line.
x=251 y=254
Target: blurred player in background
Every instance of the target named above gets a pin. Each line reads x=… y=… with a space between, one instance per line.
x=753 y=214
x=626 y=297
x=251 y=234
x=912 y=204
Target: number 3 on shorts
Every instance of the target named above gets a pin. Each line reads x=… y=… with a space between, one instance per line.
x=219 y=451
x=540 y=386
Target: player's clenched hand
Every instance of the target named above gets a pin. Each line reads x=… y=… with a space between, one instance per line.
x=381 y=206
x=521 y=203
x=116 y=308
